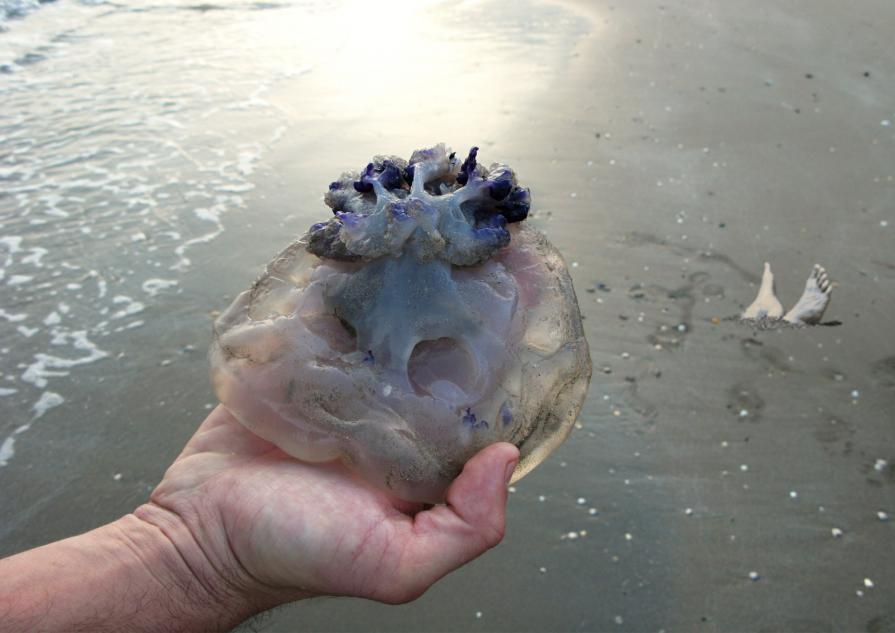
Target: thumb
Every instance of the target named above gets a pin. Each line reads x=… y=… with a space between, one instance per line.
x=479 y=495
x=471 y=522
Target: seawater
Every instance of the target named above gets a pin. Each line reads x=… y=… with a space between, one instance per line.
x=127 y=133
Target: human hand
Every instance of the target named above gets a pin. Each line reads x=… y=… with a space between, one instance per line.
x=253 y=522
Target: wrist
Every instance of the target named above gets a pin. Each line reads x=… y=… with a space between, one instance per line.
x=210 y=591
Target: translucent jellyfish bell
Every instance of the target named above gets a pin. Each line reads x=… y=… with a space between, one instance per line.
x=419 y=324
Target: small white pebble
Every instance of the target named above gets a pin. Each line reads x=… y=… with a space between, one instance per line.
x=882 y=516
x=688 y=511
x=387 y=390
x=753 y=576
x=868 y=583
x=744 y=467
x=478 y=615
x=511 y=489
x=574 y=264
x=542 y=498
x=581 y=501
x=619 y=619
x=744 y=413
x=880 y=465
x=117 y=476
x=859 y=593
x=855 y=393
x=628 y=536
x=572 y=535
x=885 y=123
x=626 y=355
x=543 y=570
x=592 y=511
x=884 y=223
x=836 y=532
x=793 y=494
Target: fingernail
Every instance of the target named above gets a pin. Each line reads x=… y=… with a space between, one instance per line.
x=511 y=466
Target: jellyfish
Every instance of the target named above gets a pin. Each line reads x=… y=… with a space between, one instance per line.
x=421 y=322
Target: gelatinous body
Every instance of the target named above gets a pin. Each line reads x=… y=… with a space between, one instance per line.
x=418 y=325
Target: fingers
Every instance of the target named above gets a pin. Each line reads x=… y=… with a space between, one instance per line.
x=219 y=415
x=473 y=521
x=222 y=433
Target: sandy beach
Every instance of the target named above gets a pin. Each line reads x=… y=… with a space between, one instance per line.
x=720 y=478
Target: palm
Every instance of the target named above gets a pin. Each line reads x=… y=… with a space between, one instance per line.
x=314 y=528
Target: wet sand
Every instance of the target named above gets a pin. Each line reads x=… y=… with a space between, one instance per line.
x=670 y=150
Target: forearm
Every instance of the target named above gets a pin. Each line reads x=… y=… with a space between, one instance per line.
x=125 y=576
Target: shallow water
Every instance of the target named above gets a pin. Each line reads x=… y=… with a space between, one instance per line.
x=154 y=155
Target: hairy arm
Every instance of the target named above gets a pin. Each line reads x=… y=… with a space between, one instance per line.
x=125 y=576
